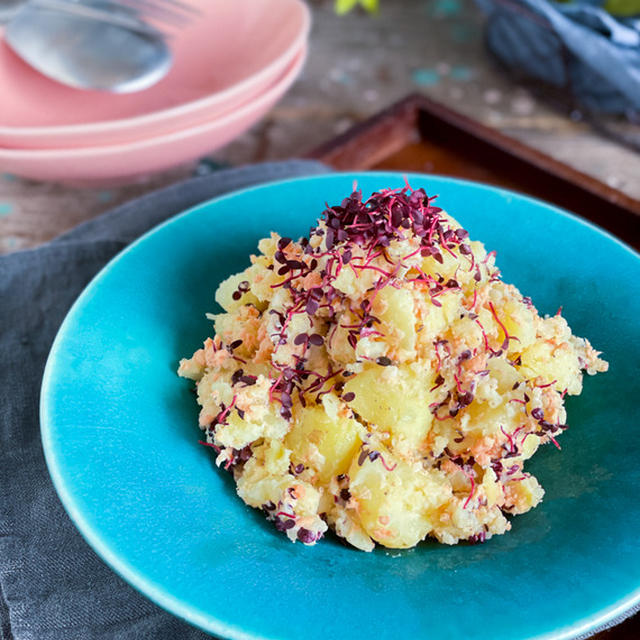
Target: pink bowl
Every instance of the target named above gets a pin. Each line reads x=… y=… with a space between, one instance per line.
x=228 y=55
x=119 y=162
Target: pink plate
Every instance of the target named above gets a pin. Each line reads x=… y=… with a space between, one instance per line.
x=121 y=162
x=230 y=53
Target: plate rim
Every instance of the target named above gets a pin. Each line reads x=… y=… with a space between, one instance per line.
x=158 y=594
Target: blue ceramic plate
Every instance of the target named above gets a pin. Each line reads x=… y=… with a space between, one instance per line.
x=120 y=436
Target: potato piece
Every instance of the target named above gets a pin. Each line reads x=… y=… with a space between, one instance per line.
x=371 y=348
x=491 y=488
x=349 y=529
x=465 y=331
x=242 y=324
x=396 y=400
x=238 y=432
x=227 y=288
x=433 y=321
x=522 y=495
x=394 y=307
x=486 y=420
x=529 y=445
x=518 y=320
x=457 y=523
x=264 y=477
x=337 y=342
x=551 y=362
x=336 y=439
x=504 y=374
x=445 y=268
x=397 y=502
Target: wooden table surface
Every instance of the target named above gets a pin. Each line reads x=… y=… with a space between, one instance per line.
x=358 y=64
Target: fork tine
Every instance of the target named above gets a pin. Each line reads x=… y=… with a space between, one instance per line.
x=178 y=4
x=145 y=11
x=154 y=14
x=171 y=11
x=104 y=15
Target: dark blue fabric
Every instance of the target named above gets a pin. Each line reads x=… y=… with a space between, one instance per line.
x=577 y=46
x=52 y=585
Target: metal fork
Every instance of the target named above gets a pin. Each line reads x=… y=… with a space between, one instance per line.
x=154 y=17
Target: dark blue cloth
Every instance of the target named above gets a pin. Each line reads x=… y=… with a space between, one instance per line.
x=577 y=46
x=52 y=585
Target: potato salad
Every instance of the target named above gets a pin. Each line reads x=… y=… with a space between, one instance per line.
x=378 y=378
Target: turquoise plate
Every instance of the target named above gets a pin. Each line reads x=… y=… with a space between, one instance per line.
x=120 y=437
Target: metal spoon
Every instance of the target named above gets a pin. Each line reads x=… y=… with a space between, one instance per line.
x=121 y=55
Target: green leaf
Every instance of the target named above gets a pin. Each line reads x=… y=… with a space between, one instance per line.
x=344 y=6
x=623 y=7
x=370 y=5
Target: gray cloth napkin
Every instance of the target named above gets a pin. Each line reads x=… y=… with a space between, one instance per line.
x=52 y=585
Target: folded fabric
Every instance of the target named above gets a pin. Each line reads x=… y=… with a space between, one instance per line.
x=52 y=585
x=577 y=46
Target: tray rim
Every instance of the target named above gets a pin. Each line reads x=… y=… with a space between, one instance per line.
x=404 y=117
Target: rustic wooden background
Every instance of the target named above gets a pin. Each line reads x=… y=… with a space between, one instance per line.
x=358 y=64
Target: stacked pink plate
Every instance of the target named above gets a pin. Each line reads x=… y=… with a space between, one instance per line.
x=230 y=67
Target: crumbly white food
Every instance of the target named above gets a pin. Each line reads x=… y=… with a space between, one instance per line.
x=379 y=378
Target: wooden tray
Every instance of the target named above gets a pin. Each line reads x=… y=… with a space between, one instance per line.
x=417 y=134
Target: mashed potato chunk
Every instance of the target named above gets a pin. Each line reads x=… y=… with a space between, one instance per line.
x=379 y=378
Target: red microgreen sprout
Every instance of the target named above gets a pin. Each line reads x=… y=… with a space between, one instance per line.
x=473 y=488
x=210 y=444
x=507 y=337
